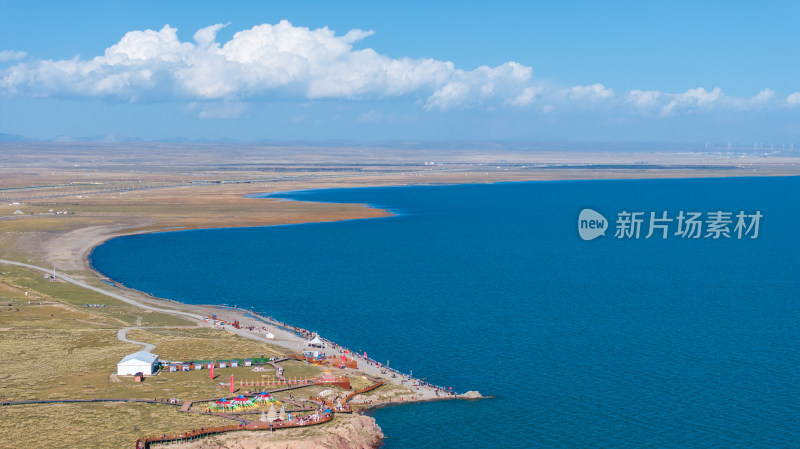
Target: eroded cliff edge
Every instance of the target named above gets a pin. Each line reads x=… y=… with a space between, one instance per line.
x=352 y=431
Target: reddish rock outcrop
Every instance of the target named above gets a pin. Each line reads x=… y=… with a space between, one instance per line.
x=344 y=432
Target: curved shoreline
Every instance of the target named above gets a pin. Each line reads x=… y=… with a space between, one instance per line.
x=428 y=391
x=180 y=306
x=284 y=338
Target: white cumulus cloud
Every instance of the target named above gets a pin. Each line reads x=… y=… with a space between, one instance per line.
x=764 y=96
x=644 y=100
x=11 y=55
x=698 y=99
x=286 y=62
x=692 y=99
x=266 y=61
x=527 y=96
x=595 y=91
x=480 y=86
x=793 y=99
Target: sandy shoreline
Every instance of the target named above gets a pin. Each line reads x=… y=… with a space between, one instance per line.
x=261 y=325
x=83 y=241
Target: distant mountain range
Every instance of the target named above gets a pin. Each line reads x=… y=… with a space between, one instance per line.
x=13 y=138
x=109 y=138
x=454 y=145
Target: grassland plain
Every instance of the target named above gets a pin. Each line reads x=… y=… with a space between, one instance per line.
x=24 y=279
x=68 y=352
x=63 y=350
x=107 y=425
x=203 y=344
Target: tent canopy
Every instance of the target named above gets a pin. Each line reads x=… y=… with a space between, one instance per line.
x=316 y=341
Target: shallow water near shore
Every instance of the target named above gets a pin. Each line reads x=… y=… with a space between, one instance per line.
x=604 y=343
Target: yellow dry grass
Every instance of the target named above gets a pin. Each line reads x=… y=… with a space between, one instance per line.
x=358 y=382
x=292 y=369
x=23 y=279
x=203 y=344
x=93 y=425
x=56 y=351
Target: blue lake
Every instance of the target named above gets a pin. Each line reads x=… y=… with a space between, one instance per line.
x=624 y=343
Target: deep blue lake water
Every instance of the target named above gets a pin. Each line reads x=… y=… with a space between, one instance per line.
x=623 y=343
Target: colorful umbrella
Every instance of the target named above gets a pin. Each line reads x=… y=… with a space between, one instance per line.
x=263 y=397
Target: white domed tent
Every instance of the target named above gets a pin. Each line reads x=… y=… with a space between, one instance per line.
x=316 y=342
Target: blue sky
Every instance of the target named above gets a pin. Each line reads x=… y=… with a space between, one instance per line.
x=569 y=71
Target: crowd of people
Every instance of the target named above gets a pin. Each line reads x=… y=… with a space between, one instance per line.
x=360 y=356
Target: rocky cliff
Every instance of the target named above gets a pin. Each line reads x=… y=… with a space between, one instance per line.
x=344 y=432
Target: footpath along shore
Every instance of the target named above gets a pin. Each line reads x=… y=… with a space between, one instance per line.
x=256 y=327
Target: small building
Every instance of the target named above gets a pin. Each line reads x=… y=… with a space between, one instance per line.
x=138 y=377
x=198 y=366
x=223 y=364
x=248 y=362
x=185 y=367
x=211 y=365
x=138 y=362
x=234 y=363
x=173 y=368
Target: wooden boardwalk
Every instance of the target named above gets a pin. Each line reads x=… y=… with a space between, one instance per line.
x=147 y=442
x=243 y=424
